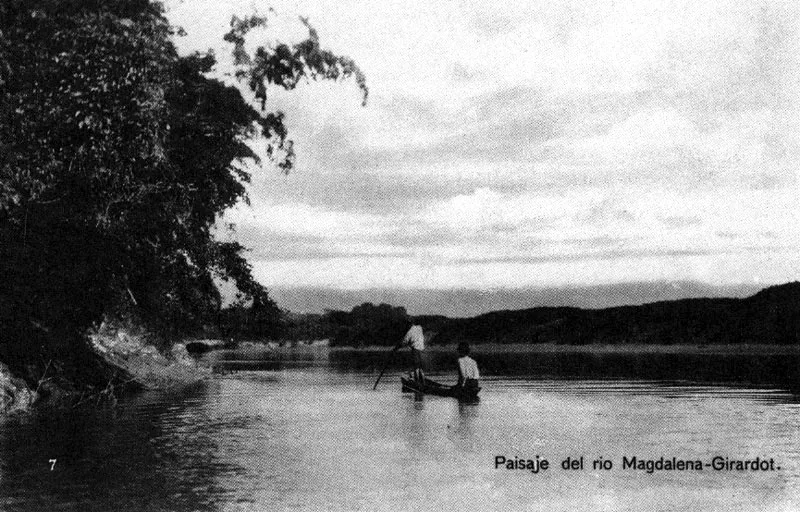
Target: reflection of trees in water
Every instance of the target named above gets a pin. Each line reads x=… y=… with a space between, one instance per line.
x=156 y=453
x=270 y=359
x=773 y=370
x=778 y=370
x=375 y=360
x=746 y=369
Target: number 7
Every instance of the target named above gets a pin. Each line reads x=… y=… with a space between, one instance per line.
x=52 y=464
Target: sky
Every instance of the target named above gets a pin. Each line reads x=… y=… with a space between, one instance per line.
x=531 y=146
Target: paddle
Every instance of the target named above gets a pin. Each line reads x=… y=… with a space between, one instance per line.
x=388 y=361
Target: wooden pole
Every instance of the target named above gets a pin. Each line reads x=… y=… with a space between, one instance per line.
x=388 y=361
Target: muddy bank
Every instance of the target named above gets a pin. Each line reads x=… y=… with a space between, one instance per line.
x=123 y=353
x=127 y=350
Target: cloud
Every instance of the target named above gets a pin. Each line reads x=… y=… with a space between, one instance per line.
x=541 y=143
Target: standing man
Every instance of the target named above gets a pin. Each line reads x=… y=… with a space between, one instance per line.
x=415 y=339
x=467 y=368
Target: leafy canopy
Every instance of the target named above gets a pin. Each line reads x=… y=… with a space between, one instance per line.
x=117 y=156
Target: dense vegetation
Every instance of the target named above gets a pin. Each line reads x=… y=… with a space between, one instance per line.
x=366 y=324
x=117 y=156
x=772 y=316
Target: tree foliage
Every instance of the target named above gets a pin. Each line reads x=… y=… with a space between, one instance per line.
x=117 y=156
x=367 y=324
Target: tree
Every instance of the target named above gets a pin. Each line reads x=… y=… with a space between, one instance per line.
x=116 y=158
x=368 y=324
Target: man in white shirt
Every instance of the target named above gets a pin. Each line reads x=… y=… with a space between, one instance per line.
x=415 y=339
x=467 y=367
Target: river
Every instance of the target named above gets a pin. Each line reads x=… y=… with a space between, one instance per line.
x=303 y=430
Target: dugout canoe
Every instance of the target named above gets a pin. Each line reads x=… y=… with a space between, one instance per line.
x=431 y=387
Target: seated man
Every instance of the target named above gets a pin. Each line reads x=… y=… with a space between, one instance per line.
x=415 y=339
x=467 y=367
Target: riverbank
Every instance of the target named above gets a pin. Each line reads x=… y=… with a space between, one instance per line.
x=127 y=349
x=124 y=354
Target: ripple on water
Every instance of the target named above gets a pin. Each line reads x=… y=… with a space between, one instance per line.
x=316 y=437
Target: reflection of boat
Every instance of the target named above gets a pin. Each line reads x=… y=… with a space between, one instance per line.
x=431 y=387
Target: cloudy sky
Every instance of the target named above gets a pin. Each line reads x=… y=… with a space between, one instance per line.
x=536 y=145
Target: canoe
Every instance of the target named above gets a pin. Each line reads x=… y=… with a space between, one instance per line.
x=431 y=387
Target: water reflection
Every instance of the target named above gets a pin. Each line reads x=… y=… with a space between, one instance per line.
x=149 y=447
x=752 y=370
x=312 y=434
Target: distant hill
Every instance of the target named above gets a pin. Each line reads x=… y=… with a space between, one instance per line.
x=467 y=302
x=771 y=316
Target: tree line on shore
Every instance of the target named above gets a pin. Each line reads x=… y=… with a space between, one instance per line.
x=771 y=316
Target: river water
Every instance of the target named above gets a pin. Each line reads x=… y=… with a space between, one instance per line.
x=305 y=431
